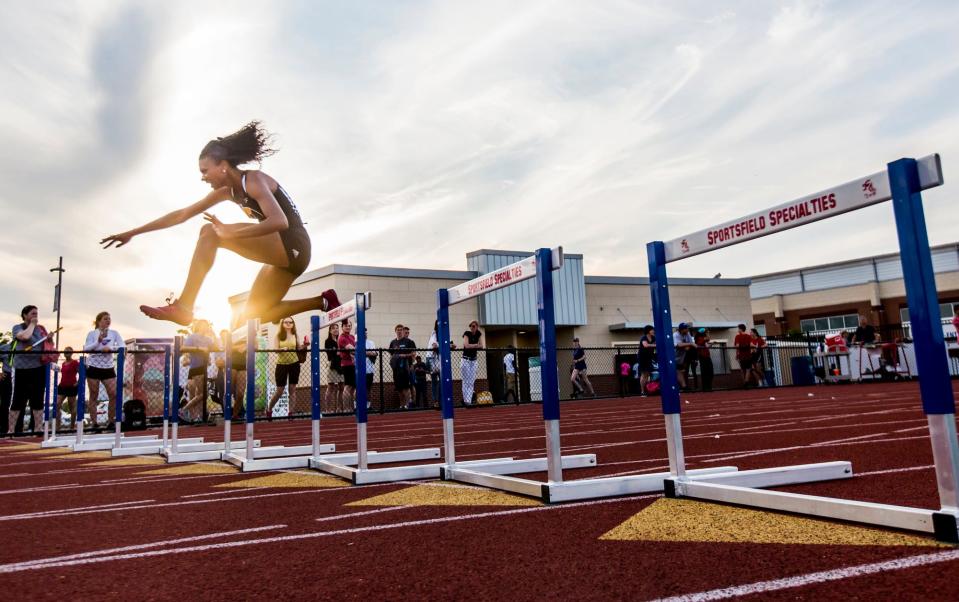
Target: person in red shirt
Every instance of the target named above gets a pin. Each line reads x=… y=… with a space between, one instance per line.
x=955 y=320
x=346 y=343
x=758 y=343
x=706 y=370
x=744 y=354
x=67 y=386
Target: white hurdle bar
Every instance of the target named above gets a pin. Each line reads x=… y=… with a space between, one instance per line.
x=355 y=466
x=901 y=182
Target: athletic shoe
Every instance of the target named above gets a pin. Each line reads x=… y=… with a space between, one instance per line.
x=330 y=299
x=173 y=312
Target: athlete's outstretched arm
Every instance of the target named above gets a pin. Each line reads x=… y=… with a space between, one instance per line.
x=170 y=219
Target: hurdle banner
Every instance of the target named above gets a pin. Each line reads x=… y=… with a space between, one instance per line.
x=354 y=467
x=902 y=183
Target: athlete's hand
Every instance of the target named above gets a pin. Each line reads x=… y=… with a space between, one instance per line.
x=116 y=239
x=219 y=227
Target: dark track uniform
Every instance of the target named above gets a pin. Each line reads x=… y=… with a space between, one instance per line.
x=296 y=240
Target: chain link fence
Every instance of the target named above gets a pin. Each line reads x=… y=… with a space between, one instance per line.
x=282 y=386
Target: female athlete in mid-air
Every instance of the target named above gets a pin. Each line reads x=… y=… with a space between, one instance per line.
x=279 y=241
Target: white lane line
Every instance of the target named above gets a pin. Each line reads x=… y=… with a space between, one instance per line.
x=893 y=470
x=99 y=509
x=78 y=510
x=116 y=482
x=142 y=546
x=364 y=513
x=43 y=488
x=820 y=577
x=224 y=492
x=7 y=568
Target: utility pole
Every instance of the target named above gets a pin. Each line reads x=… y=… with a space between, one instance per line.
x=56 y=298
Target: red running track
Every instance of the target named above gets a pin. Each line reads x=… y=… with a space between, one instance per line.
x=73 y=530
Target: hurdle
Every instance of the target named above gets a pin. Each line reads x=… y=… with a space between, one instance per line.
x=116 y=441
x=355 y=466
x=494 y=474
x=901 y=182
x=178 y=450
x=248 y=456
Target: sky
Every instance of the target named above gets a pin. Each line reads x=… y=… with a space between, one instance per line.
x=412 y=132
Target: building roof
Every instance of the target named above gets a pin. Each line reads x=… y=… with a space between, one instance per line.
x=855 y=261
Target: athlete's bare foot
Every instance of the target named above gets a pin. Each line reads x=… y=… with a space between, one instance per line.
x=174 y=312
x=331 y=300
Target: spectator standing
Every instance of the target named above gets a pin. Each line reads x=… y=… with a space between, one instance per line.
x=287 y=372
x=744 y=354
x=510 y=385
x=705 y=359
x=347 y=344
x=410 y=360
x=401 y=356
x=101 y=346
x=624 y=371
x=685 y=353
x=433 y=361
x=758 y=344
x=200 y=343
x=6 y=380
x=955 y=320
x=647 y=358
x=579 y=373
x=371 y=353
x=334 y=387
x=28 y=377
x=67 y=386
x=420 y=372
x=472 y=342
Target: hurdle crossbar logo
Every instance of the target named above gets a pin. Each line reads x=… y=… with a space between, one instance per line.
x=684 y=246
x=868 y=189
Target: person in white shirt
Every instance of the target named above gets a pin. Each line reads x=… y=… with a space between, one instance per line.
x=370 y=368
x=101 y=346
x=510 y=384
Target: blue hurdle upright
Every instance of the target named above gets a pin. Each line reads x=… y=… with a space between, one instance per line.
x=355 y=466
x=902 y=182
x=494 y=474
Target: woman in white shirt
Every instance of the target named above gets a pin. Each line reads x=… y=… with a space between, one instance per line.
x=101 y=346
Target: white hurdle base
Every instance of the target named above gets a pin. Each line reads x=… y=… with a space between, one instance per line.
x=346 y=466
x=105 y=444
x=731 y=489
x=63 y=440
x=151 y=448
x=492 y=474
x=568 y=491
x=273 y=458
x=198 y=451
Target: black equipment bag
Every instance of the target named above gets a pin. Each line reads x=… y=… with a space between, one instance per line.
x=134 y=415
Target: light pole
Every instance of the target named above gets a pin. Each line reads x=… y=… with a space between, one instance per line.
x=56 y=298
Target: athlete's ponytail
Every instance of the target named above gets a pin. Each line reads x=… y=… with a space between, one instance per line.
x=249 y=143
